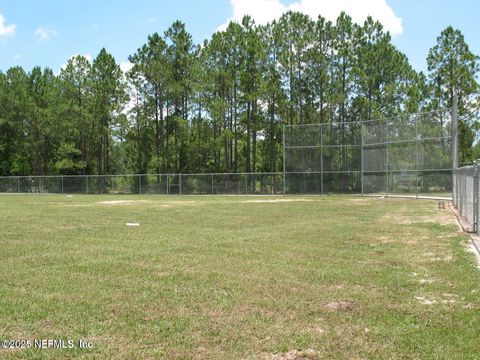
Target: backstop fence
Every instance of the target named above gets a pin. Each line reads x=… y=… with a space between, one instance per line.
x=405 y=155
x=466 y=196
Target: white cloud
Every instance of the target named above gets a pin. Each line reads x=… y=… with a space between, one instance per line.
x=6 y=30
x=44 y=33
x=264 y=11
x=17 y=56
x=125 y=66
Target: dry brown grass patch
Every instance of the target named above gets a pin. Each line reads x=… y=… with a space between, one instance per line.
x=307 y=354
x=341 y=305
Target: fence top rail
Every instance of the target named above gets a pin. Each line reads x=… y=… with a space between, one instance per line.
x=385 y=119
x=359 y=171
x=137 y=175
x=459 y=170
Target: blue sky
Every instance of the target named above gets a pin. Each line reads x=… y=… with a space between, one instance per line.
x=48 y=32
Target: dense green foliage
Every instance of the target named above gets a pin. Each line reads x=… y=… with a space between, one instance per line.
x=220 y=106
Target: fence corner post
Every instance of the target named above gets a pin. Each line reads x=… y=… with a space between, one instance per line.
x=476 y=197
x=455 y=132
x=284 y=170
x=362 y=141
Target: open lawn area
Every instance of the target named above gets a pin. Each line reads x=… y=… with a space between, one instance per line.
x=229 y=277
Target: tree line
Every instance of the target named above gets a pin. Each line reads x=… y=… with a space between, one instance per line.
x=219 y=106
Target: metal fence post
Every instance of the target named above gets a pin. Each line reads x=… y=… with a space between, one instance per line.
x=455 y=132
x=140 y=184
x=386 y=158
x=321 y=159
x=62 y=184
x=18 y=184
x=86 y=179
x=416 y=156
x=477 y=181
x=361 y=155
x=476 y=195
x=454 y=140
x=180 y=183
x=283 y=140
x=212 y=183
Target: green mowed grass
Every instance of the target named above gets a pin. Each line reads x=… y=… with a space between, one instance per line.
x=237 y=277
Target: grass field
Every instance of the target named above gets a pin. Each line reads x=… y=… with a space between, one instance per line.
x=237 y=277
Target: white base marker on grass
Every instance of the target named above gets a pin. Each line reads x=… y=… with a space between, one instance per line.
x=132 y=224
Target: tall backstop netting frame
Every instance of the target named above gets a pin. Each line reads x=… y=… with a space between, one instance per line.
x=409 y=155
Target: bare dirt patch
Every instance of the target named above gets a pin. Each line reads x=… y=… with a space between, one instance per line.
x=170 y=204
x=446 y=299
x=307 y=354
x=442 y=216
x=73 y=205
x=277 y=200
x=138 y=202
x=426 y=281
x=337 y=286
x=446 y=258
x=191 y=202
x=341 y=305
x=124 y=202
x=319 y=330
x=444 y=219
x=425 y=301
x=361 y=201
x=386 y=240
x=449 y=298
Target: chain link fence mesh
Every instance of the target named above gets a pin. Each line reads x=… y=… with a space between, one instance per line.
x=408 y=155
x=405 y=155
x=466 y=193
x=159 y=184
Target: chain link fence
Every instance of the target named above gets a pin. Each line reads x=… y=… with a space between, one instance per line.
x=466 y=193
x=161 y=184
x=408 y=155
